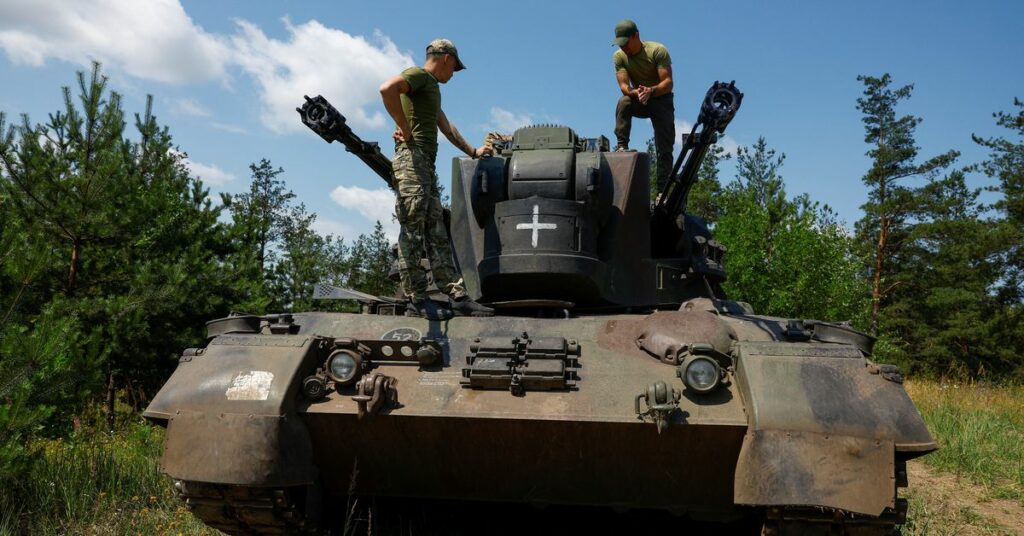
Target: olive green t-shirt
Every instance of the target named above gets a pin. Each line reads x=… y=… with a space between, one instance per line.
x=643 y=66
x=421 y=106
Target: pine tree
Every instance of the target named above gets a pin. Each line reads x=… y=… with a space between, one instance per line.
x=371 y=264
x=1006 y=164
x=891 y=204
x=307 y=258
x=120 y=237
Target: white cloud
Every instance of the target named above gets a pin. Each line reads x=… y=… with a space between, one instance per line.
x=211 y=175
x=156 y=40
x=374 y=205
x=190 y=107
x=151 y=39
x=234 y=129
x=334 y=227
x=346 y=69
x=507 y=122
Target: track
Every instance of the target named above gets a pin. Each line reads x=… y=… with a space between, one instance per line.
x=245 y=510
x=807 y=522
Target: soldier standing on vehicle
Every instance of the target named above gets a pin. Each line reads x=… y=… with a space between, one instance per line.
x=413 y=99
x=644 y=72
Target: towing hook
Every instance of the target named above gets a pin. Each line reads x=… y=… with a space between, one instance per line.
x=373 y=392
x=661 y=402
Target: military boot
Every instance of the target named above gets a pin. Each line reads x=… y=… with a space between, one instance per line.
x=427 y=309
x=466 y=306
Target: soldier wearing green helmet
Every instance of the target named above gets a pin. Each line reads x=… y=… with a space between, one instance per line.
x=413 y=99
x=643 y=70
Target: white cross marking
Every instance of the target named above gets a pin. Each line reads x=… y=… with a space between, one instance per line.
x=536 y=225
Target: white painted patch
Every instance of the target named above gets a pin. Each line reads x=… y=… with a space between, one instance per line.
x=252 y=385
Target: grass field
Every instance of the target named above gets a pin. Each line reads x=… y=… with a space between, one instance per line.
x=96 y=483
x=974 y=484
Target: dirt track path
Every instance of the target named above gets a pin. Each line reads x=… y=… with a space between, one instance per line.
x=953 y=505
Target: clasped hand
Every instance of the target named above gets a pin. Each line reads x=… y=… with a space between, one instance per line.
x=644 y=94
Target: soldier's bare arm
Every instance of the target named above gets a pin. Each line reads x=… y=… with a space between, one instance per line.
x=391 y=93
x=457 y=140
x=623 y=78
x=665 y=81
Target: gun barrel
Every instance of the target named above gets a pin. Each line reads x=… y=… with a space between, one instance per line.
x=718 y=109
x=321 y=117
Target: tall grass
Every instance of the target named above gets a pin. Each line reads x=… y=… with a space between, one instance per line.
x=980 y=429
x=96 y=483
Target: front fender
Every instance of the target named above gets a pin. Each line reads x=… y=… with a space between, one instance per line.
x=230 y=411
x=823 y=430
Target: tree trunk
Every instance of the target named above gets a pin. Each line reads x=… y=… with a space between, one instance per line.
x=73 y=271
x=111 y=395
x=876 y=280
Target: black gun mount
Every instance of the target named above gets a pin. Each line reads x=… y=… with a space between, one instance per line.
x=329 y=124
x=668 y=222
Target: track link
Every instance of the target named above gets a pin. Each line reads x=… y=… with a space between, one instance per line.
x=781 y=521
x=246 y=510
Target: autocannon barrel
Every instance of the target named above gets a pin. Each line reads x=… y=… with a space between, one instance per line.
x=719 y=107
x=329 y=124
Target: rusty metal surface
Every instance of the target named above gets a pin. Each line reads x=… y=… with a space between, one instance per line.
x=666 y=334
x=803 y=468
x=230 y=448
x=605 y=392
x=806 y=409
x=790 y=386
x=230 y=412
x=686 y=468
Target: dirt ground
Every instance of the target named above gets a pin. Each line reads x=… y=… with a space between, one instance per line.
x=946 y=504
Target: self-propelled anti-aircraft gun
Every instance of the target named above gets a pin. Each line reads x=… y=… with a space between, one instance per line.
x=616 y=372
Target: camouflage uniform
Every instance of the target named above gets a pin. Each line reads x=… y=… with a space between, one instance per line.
x=422 y=225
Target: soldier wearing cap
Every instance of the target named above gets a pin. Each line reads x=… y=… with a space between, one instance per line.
x=644 y=72
x=413 y=99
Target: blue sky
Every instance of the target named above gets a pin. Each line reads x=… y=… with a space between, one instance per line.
x=227 y=75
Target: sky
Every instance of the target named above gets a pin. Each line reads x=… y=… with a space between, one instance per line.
x=227 y=75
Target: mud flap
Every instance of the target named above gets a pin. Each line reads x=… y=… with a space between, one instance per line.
x=240 y=449
x=788 y=468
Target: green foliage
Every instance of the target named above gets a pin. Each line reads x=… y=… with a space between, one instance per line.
x=978 y=428
x=945 y=314
x=110 y=231
x=38 y=372
x=94 y=481
x=787 y=257
x=370 y=264
x=944 y=297
x=891 y=207
x=281 y=258
x=1006 y=164
x=704 y=198
x=306 y=258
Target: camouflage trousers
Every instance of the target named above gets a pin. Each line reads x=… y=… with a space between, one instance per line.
x=422 y=226
x=662 y=113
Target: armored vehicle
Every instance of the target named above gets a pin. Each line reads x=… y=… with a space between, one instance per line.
x=616 y=373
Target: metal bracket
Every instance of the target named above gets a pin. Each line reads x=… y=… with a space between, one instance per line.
x=661 y=402
x=423 y=352
x=373 y=392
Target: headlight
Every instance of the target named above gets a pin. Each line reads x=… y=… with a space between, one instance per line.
x=701 y=373
x=344 y=367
